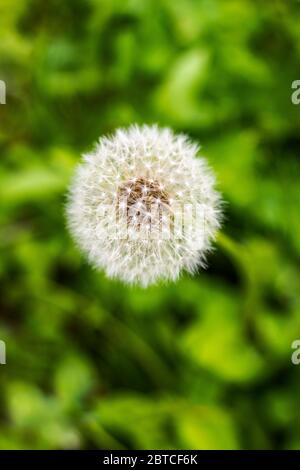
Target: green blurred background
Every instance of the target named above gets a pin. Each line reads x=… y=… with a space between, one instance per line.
x=204 y=363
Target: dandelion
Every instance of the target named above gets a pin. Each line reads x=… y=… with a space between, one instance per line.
x=143 y=207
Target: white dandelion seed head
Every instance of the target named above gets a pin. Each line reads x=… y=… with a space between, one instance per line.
x=142 y=206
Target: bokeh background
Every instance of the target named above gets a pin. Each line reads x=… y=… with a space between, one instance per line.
x=201 y=364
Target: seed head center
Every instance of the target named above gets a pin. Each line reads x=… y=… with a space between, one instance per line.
x=144 y=192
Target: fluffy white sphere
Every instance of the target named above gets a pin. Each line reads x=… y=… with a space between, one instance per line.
x=142 y=205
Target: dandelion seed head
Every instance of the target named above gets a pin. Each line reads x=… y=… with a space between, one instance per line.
x=127 y=196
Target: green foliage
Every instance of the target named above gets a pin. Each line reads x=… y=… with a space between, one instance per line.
x=204 y=363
